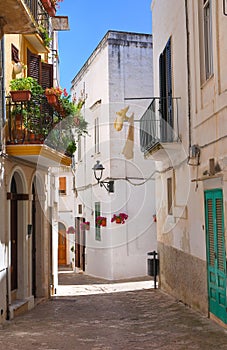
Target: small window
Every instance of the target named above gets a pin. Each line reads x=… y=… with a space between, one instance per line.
x=14 y=54
x=96 y=130
x=208 y=37
x=170 y=196
x=79 y=153
x=80 y=209
x=62 y=185
x=97 y=227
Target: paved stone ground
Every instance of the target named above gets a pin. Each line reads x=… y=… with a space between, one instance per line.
x=142 y=319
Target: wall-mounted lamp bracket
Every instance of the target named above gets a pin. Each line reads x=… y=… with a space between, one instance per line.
x=98 y=171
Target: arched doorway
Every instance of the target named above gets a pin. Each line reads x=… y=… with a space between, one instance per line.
x=61 y=244
x=17 y=238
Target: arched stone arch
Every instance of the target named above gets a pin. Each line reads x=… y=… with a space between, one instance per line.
x=18 y=245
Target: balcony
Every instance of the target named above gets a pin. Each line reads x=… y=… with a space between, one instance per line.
x=159 y=130
x=35 y=133
x=24 y=17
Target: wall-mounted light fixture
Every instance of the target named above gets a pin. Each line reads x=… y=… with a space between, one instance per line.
x=98 y=171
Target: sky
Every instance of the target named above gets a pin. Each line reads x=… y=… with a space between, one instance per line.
x=89 y=21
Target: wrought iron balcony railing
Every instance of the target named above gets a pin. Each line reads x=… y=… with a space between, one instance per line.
x=39 y=13
x=28 y=122
x=159 y=124
x=37 y=122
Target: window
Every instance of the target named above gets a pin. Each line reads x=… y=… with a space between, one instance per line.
x=14 y=54
x=79 y=146
x=80 y=209
x=97 y=228
x=41 y=71
x=170 y=196
x=96 y=130
x=62 y=185
x=166 y=105
x=208 y=38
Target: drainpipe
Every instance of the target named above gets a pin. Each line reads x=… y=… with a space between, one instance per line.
x=188 y=74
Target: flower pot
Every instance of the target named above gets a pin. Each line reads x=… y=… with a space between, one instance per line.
x=49 y=7
x=52 y=99
x=20 y=95
x=103 y=222
x=118 y=220
x=18 y=128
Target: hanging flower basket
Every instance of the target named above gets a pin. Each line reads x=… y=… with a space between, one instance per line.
x=120 y=218
x=70 y=229
x=20 y=95
x=85 y=225
x=101 y=221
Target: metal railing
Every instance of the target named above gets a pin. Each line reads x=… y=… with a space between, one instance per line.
x=39 y=13
x=159 y=123
x=28 y=122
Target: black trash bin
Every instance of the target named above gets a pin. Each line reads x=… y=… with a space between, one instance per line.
x=153 y=265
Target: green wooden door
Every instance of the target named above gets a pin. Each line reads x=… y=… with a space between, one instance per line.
x=216 y=257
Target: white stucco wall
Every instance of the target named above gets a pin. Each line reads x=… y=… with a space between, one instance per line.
x=119 y=69
x=182 y=234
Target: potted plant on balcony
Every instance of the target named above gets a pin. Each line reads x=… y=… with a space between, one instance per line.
x=49 y=6
x=20 y=89
x=120 y=218
x=45 y=36
x=53 y=95
x=71 y=148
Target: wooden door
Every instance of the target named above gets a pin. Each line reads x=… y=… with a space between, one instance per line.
x=33 y=242
x=14 y=234
x=216 y=256
x=61 y=247
x=13 y=244
x=77 y=250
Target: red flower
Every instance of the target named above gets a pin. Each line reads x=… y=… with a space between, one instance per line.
x=120 y=218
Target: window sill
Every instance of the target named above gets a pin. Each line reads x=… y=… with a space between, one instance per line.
x=206 y=82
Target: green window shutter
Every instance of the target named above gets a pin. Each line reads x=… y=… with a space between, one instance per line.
x=97 y=228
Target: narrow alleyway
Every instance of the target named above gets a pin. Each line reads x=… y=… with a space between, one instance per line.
x=140 y=319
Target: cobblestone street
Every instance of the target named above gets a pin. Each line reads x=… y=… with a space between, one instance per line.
x=140 y=319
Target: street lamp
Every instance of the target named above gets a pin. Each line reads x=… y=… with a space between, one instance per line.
x=98 y=171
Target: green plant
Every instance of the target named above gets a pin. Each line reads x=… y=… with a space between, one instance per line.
x=45 y=36
x=22 y=84
x=71 y=148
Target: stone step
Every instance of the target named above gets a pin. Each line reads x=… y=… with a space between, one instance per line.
x=18 y=307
